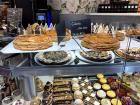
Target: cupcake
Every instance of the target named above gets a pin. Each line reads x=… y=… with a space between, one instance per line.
x=103 y=81
x=116 y=102
x=75 y=87
x=111 y=94
x=114 y=85
x=99 y=76
x=101 y=94
x=78 y=95
x=126 y=100
x=75 y=80
x=78 y=102
x=105 y=87
x=105 y=102
x=97 y=86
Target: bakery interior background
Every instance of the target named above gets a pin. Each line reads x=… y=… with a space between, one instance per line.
x=79 y=6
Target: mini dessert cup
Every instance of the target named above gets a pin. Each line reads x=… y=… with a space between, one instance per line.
x=16 y=94
x=7 y=100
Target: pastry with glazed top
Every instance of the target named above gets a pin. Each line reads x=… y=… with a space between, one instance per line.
x=111 y=94
x=32 y=42
x=103 y=81
x=101 y=94
x=105 y=102
x=116 y=102
x=133 y=32
x=100 y=42
x=131 y=54
x=120 y=36
x=105 y=87
x=97 y=86
x=99 y=76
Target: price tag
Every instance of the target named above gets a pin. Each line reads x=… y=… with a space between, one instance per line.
x=80 y=26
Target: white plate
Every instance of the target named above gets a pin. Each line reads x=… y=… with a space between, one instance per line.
x=70 y=53
x=77 y=53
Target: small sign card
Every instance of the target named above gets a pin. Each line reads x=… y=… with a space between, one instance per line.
x=80 y=26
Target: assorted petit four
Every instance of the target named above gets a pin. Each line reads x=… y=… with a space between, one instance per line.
x=78 y=95
x=116 y=102
x=103 y=81
x=105 y=102
x=105 y=87
x=101 y=94
x=111 y=94
x=97 y=86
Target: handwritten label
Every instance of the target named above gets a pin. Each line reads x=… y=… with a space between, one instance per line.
x=80 y=26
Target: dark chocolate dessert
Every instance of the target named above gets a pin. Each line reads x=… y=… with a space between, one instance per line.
x=96 y=56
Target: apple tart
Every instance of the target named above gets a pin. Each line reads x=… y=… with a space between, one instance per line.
x=32 y=42
x=133 y=32
x=100 y=42
x=131 y=54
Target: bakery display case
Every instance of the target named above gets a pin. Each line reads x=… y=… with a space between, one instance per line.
x=98 y=68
